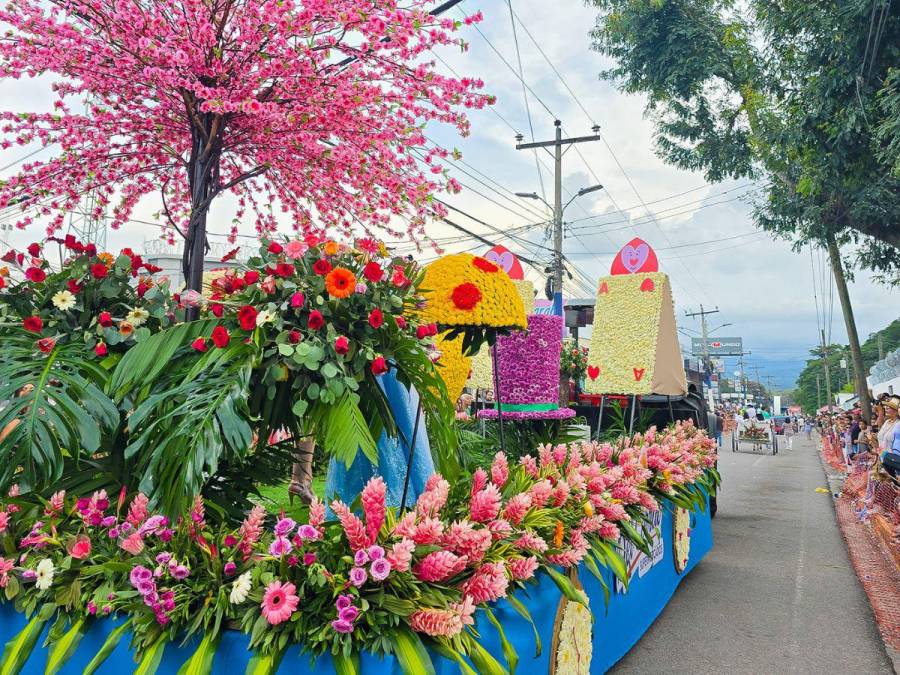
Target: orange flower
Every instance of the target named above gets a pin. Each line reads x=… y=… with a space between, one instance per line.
x=125 y=329
x=558 y=534
x=340 y=282
x=331 y=247
x=107 y=258
x=4 y=271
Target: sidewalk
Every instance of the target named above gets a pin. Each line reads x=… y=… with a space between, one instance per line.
x=869 y=545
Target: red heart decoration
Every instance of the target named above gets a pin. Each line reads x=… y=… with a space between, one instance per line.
x=648 y=285
x=604 y=289
x=638 y=373
x=593 y=372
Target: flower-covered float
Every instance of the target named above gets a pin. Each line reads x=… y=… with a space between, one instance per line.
x=147 y=547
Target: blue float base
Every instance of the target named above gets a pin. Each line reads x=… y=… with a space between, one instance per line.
x=616 y=630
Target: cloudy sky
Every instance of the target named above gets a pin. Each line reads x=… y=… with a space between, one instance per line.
x=703 y=234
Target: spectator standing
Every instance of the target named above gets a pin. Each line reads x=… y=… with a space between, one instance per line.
x=790 y=428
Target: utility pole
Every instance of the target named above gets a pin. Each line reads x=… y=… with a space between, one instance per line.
x=704 y=331
x=825 y=351
x=743 y=375
x=557 y=145
x=818 y=391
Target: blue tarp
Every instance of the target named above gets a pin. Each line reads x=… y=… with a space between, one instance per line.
x=615 y=630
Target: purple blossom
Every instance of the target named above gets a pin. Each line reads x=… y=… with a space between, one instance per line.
x=342 y=626
x=29 y=575
x=145 y=588
x=166 y=535
x=380 y=569
x=309 y=559
x=180 y=572
x=358 y=576
x=140 y=573
x=308 y=532
x=153 y=525
x=375 y=552
x=361 y=558
x=348 y=614
x=91 y=608
x=281 y=546
x=114 y=532
x=343 y=602
x=109 y=521
x=284 y=527
x=107 y=609
x=230 y=568
x=163 y=558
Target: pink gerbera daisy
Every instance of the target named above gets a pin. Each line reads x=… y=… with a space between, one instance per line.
x=279 y=602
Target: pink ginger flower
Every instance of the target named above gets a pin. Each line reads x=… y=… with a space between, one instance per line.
x=463 y=539
x=6 y=567
x=485 y=504
x=545 y=454
x=4 y=521
x=198 y=512
x=354 y=529
x=531 y=542
x=523 y=569
x=137 y=510
x=432 y=500
x=517 y=507
x=500 y=529
x=479 y=480
x=279 y=602
x=487 y=584
x=133 y=543
x=250 y=531
x=406 y=526
x=439 y=566
x=444 y=622
x=56 y=503
x=540 y=493
x=372 y=498
x=613 y=512
x=530 y=464
x=499 y=470
x=560 y=493
x=400 y=555
x=316 y=513
x=428 y=531
x=609 y=530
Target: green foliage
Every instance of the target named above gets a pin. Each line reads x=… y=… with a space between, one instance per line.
x=64 y=414
x=800 y=94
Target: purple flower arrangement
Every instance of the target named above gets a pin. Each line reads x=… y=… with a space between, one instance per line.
x=528 y=369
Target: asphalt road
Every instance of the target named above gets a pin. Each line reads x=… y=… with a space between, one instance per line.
x=777 y=593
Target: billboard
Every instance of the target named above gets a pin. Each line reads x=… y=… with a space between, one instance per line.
x=724 y=346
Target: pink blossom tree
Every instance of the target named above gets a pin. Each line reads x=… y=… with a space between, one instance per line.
x=310 y=107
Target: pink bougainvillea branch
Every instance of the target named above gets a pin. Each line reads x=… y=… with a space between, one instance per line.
x=310 y=107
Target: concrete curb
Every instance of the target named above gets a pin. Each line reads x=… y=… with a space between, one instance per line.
x=882 y=590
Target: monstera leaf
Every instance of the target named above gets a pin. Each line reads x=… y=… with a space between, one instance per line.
x=189 y=411
x=64 y=413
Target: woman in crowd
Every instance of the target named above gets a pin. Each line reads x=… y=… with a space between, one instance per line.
x=790 y=428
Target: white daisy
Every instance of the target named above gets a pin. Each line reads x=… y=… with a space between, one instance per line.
x=264 y=316
x=240 y=588
x=44 y=574
x=137 y=316
x=63 y=301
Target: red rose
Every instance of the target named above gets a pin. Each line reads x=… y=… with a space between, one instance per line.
x=35 y=275
x=100 y=349
x=422 y=332
x=284 y=270
x=311 y=240
x=297 y=300
x=2 y=282
x=152 y=269
x=315 y=321
x=341 y=344
x=73 y=244
x=247 y=317
x=105 y=319
x=251 y=277
x=90 y=250
x=46 y=344
x=321 y=267
x=99 y=271
x=379 y=366
x=34 y=250
x=136 y=263
x=376 y=319
x=432 y=329
x=275 y=248
x=401 y=322
x=399 y=278
x=217 y=310
x=33 y=324
x=373 y=272
x=294 y=336
x=200 y=344
x=220 y=337
x=126 y=251
x=143 y=287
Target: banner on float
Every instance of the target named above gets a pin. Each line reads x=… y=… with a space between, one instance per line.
x=636 y=561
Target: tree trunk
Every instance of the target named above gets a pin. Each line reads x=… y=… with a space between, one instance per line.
x=862 y=388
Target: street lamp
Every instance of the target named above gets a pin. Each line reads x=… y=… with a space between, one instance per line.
x=724 y=325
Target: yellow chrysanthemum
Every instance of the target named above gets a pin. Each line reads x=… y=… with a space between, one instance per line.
x=467 y=290
x=682 y=538
x=453 y=367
